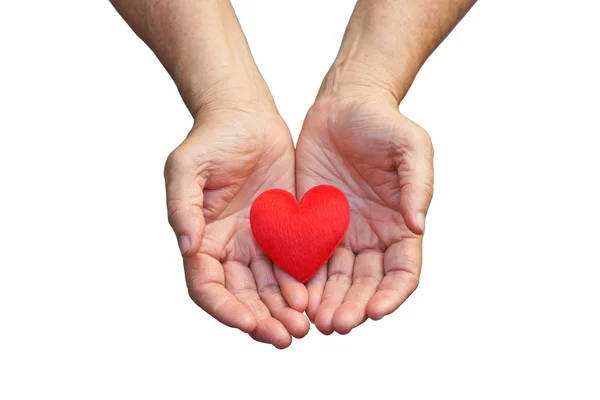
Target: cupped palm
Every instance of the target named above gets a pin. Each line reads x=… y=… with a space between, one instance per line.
x=383 y=163
x=212 y=179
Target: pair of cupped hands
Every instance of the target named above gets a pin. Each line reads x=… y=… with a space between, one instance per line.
x=353 y=138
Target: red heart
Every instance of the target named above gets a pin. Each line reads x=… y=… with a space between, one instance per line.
x=300 y=238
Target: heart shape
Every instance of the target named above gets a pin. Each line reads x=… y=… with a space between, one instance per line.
x=300 y=238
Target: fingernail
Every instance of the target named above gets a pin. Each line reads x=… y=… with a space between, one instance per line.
x=184 y=244
x=421 y=221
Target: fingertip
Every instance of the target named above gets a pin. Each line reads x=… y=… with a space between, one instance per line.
x=303 y=327
x=420 y=223
x=283 y=344
x=184 y=244
x=348 y=317
x=415 y=222
x=300 y=328
x=414 y=203
x=375 y=313
x=296 y=323
x=323 y=321
x=187 y=222
x=343 y=322
x=378 y=307
x=297 y=296
x=282 y=341
x=270 y=330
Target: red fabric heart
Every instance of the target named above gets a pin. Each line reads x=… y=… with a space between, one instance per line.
x=300 y=238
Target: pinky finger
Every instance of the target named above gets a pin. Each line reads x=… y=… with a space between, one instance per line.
x=205 y=280
x=402 y=266
x=398 y=287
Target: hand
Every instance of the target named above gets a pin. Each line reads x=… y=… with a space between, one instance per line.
x=212 y=178
x=382 y=161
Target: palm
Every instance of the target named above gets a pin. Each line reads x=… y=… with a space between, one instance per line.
x=240 y=175
x=357 y=165
x=361 y=149
x=227 y=273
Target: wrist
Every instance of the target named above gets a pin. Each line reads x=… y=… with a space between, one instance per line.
x=221 y=75
x=358 y=79
x=376 y=52
x=232 y=89
x=202 y=46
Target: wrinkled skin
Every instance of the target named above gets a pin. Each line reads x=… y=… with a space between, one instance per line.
x=212 y=178
x=382 y=161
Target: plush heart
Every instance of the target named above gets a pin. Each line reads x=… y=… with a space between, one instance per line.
x=300 y=238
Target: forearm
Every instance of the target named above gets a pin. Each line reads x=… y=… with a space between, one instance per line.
x=202 y=46
x=387 y=41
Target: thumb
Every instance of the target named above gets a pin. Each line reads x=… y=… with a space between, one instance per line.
x=415 y=173
x=185 y=198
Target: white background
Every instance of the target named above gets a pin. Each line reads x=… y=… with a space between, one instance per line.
x=93 y=303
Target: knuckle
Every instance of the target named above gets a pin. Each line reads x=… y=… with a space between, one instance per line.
x=422 y=139
x=177 y=161
x=340 y=277
x=428 y=188
x=174 y=208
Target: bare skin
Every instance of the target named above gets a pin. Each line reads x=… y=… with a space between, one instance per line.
x=238 y=147
x=212 y=179
x=378 y=263
x=353 y=138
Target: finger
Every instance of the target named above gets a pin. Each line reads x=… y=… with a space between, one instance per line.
x=269 y=292
x=293 y=291
x=415 y=173
x=206 y=285
x=368 y=273
x=185 y=199
x=339 y=279
x=402 y=268
x=240 y=282
x=315 y=287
